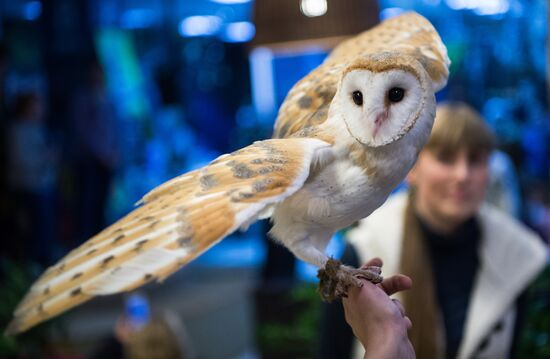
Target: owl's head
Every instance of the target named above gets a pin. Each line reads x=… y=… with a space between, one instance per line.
x=381 y=97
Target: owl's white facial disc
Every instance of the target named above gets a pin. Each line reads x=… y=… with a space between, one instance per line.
x=380 y=107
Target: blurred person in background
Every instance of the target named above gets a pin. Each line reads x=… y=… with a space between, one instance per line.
x=97 y=151
x=470 y=263
x=33 y=161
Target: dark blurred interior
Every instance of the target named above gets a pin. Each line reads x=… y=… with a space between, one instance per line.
x=102 y=100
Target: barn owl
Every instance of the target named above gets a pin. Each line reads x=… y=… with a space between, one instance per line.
x=345 y=136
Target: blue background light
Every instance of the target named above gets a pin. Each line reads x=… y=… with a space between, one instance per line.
x=231 y=2
x=200 y=25
x=238 y=32
x=139 y=18
x=32 y=10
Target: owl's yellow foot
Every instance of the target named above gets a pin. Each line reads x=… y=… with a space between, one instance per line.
x=335 y=279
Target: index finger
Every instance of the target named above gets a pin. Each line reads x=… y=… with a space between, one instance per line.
x=373 y=262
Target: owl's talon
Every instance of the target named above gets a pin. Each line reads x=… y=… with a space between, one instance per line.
x=372 y=274
x=374 y=269
x=335 y=279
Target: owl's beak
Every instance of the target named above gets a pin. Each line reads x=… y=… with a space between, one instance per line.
x=379 y=121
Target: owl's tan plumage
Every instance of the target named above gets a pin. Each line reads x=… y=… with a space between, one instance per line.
x=316 y=171
x=410 y=34
x=177 y=222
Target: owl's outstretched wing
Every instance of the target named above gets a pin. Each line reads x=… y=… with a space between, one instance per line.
x=175 y=223
x=308 y=101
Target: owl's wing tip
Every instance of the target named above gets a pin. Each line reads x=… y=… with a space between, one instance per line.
x=14 y=327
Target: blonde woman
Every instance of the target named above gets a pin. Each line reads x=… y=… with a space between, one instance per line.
x=468 y=261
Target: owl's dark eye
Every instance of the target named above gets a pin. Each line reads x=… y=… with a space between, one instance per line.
x=396 y=94
x=357 y=98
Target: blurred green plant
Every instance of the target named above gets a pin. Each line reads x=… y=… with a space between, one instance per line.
x=291 y=331
x=15 y=280
x=534 y=342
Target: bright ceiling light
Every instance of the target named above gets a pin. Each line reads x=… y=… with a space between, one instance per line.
x=313 y=8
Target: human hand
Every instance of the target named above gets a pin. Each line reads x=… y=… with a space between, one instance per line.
x=377 y=321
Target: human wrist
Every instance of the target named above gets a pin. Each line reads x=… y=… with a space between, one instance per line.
x=387 y=343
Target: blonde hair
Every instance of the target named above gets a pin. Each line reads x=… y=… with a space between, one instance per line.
x=426 y=334
x=156 y=340
x=457 y=125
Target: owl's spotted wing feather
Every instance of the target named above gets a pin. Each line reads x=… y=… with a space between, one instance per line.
x=176 y=222
x=411 y=34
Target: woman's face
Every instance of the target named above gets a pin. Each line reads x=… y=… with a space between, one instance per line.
x=449 y=186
